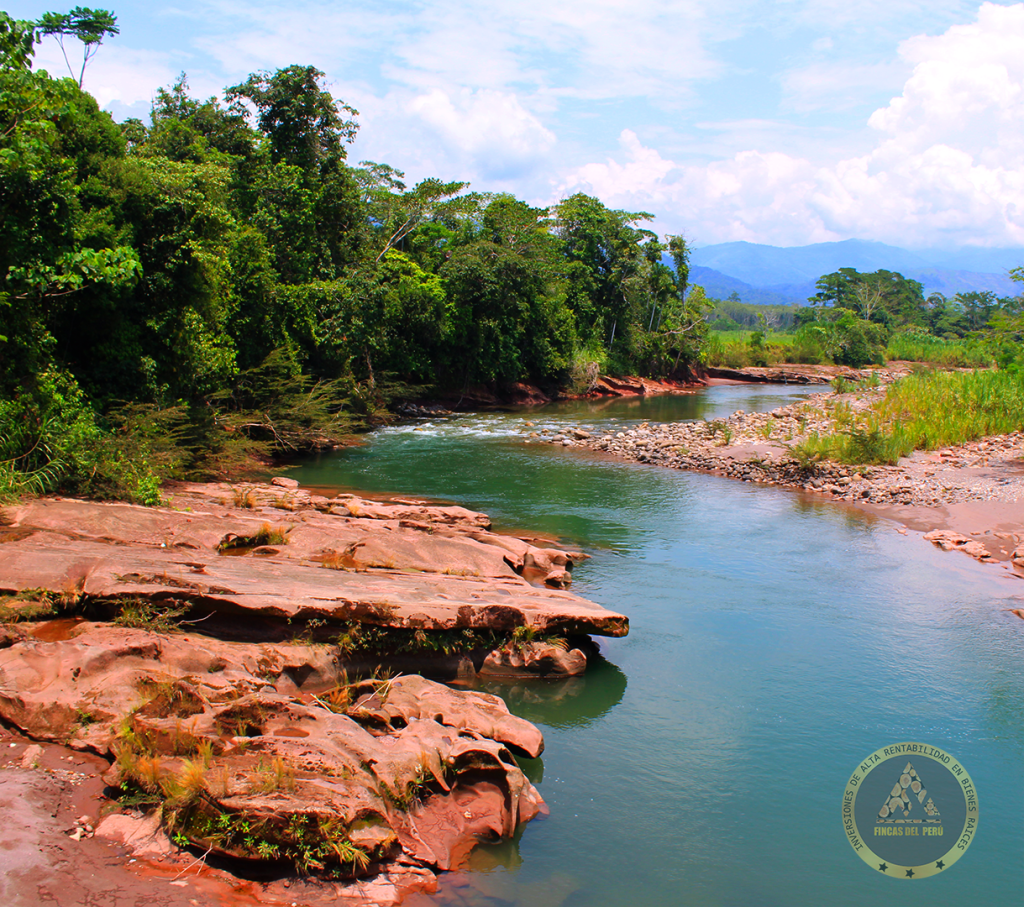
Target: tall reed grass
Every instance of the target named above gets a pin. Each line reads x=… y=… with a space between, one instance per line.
x=910 y=346
x=924 y=412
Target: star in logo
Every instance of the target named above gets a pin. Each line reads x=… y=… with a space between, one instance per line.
x=882 y=867
x=910 y=873
x=940 y=865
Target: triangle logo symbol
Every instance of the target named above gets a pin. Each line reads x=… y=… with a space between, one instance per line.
x=899 y=805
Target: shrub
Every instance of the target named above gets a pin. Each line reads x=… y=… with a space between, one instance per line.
x=50 y=441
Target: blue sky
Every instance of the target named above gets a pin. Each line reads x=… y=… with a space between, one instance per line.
x=783 y=122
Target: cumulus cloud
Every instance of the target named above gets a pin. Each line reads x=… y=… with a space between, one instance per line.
x=491 y=128
x=482 y=134
x=946 y=164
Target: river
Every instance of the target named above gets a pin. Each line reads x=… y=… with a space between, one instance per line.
x=775 y=642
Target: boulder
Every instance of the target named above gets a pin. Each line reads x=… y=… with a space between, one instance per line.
x=535 y=658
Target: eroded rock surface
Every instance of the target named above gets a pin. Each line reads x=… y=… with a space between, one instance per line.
x=204 y=649
x=359 y=778
x=302 y=557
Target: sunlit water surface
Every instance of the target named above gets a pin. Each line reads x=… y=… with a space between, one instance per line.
x=774 y=643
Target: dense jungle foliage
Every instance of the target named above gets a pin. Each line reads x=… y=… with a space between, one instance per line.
x=221 y=282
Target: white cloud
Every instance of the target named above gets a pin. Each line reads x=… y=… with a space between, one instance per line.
x=116 y=73
x=491 y=130
x=967 y=88
x=832 y=84
x=947 y=163
x=582 y=48
x=644 y=170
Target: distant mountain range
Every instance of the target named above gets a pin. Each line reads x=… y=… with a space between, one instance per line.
x=773 y=275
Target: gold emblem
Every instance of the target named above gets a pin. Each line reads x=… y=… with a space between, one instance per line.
x=902 y=826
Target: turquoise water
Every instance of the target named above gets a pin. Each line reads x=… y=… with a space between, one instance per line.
x=776 y=641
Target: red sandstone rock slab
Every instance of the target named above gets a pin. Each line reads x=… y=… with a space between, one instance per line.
x=280 y=589
x=401 y=565
x=413 y=697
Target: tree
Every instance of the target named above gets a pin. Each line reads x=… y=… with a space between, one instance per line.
x=978 y=307
x=90 y=26
x=608 y=271
x=17 y=43
x=303 y=122
x=868 y=298
x=396 y=212
x=300 y=172
x=835 y=289
x=882 y=297
x=185 y=128
x=679 y=249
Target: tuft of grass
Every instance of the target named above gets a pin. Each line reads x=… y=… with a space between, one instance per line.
x=361 y=638
x=272 y=535
x=30 y=604
x=265 y=535
x=191 y=780
x=337 y=560
x=144 y=614
x=148 y=771
x=244 y=497
x=274 y=775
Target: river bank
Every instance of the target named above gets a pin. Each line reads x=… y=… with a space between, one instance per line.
x=203 y=660
x=968 y=497
x=479 y=397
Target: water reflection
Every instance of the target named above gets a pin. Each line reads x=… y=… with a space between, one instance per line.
x=567 y=703
x=490 y=880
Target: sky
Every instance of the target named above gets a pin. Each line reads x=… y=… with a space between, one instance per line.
x=783 y=122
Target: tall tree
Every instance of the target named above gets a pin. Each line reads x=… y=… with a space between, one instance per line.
x=17 y=43
x=305 y=125
x=90 y=26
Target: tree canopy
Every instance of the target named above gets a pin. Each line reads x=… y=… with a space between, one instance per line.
x=223 y=266
x=89 y=26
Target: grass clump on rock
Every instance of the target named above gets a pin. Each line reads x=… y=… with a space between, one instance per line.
x=356 y=638
x=265 y=535
x=145 y=614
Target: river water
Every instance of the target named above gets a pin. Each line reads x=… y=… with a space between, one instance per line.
x=775 y=642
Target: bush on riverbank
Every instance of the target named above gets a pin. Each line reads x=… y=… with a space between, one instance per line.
x=924 y=412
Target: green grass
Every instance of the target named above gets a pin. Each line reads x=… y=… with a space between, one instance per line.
x=265 y=535
x=732 y=349
x=144 y=614
x=960 y=353
x=924 y=412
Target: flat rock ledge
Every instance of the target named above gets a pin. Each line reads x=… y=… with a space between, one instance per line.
x=209 y=649
x=266 y=561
